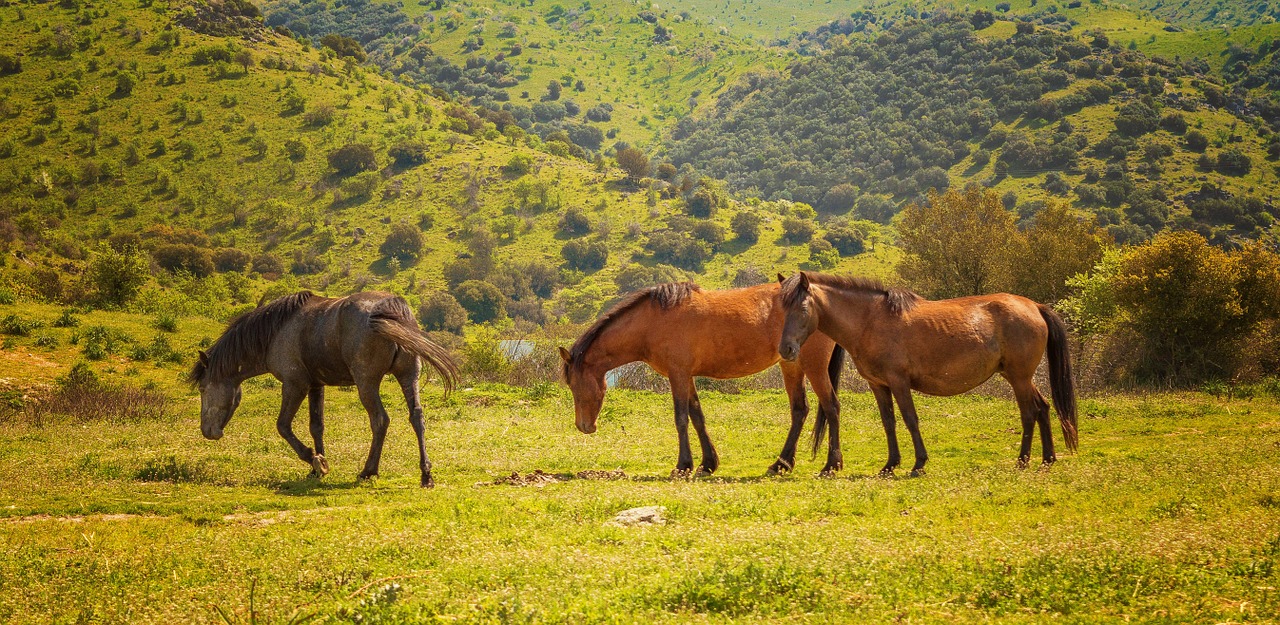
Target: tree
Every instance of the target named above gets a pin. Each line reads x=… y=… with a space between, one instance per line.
x=1057 y=246
x=553 y=90
x=403 y=242
x=482 y=301
x=746 y=226
x=184 y=257
x=840 y=198
x=957 y=243
x=115 y=276
x=352 y=159
x=125 y=82
x=574 y=222
x=1196 y=141
x=244 y=58
x=580 y=255
x=634 y=162
x=442 y=312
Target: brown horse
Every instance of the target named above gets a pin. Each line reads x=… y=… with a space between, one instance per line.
x=308 y=342
x=682 y=331
x=901 y=342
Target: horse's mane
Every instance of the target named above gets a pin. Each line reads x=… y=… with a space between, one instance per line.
x=664 y=296
x=898 y=300
x=247 y=338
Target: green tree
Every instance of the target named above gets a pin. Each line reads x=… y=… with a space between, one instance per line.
x=113 y=277
x=482 y=301
x=441 y=311
x=746 y=226
x=403 y=242
x=1059 y=244
x=634 y=162
x=957 y=243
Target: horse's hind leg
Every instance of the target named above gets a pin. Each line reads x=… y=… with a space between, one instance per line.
x=315 y=408
x=829 y=407
x=1033 y=409
x=409 y=384
x=902 y=393
x=378 y=422
x=793 y=381
x=291 y=399
x=884 y=401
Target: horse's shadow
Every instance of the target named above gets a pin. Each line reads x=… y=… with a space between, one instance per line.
x=310 y=486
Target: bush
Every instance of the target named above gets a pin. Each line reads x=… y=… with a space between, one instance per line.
x=519 y=165
x=845 y=239
x=482 y=356
x=634 y=162
x=268 y=265
x=115 y=276
x=353 y=159
x=362 y=185
x=1196 y=141
x=840 y=198
x=822 y=255
x=678 y=249
x=1234 y=162
x=82 y=396
x=574 y=222
x=184 y=257
x=319 y=115
x=231 y=259
x=440 y=311
x=796 y=230
x=746 y=226
x=408 y=153
x=635 y=277
x=482 y=301
x=583 y=256
x=14 y=325
x=403 y=242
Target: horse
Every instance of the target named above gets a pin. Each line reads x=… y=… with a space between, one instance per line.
x=901 y=342
x=682 y=331
x=308 y=342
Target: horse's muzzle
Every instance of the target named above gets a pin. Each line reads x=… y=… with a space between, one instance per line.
x=211 y=434
x=789 y=353
x=586 y=428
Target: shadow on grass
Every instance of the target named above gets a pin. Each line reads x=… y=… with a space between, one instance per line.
x=310 y=486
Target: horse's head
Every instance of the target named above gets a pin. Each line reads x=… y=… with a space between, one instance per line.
x=801 y=321
x=588 y=393
x=218 y=399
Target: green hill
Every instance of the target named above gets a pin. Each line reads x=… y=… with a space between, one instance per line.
x=1143 y=142
x=232 y=161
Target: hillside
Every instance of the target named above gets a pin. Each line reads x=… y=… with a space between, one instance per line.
x=230 y=161
x=875 y=120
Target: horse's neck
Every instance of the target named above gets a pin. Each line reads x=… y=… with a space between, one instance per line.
x=618 y=345
x=844 y=313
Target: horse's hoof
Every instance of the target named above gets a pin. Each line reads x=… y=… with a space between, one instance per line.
x=366 y=476
x=886 y=473
x=319 y=466
x=917 y=472
x=704 y=472
x=1023 y=463
x=778 y=468
x=427 y=482
x=678 y=473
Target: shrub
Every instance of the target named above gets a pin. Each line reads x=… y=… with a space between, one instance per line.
x=957 y=244
x=352 y=159
x=115 y=276
x=82 y=396
x=840 y=198
x=678 y=249
x=574 y=222
x=268 y=265
x=319 y=115
x=519 y=165
x=14 y=325
x=482 y=356
x=408 y=153
x=440 y=311
x=362 y=185
x=797 y=230
x=1234 y=162
x=184 y=257
x=403 y=242
x=822 y=255
x=845 y=239
x=634 y=277
x=482 y=301
x=634 y=162
x=1196 y=141
x=583 y=256
x=231 y=259
x=746 y=226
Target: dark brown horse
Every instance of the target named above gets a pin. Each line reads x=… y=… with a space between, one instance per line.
x=901 y=342
x=682 y=331
x=308 y=342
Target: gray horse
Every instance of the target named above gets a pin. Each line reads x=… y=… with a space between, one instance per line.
x=308 y=342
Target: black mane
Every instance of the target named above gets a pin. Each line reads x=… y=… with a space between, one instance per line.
x=246 y=339
x=897 y=299
x=664 y=296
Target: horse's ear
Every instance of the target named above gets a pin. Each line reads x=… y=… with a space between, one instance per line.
x=804 y=281
x=564 y=354
x=204 y=358
x=781 y=278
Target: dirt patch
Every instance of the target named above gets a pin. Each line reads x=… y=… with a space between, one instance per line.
x=538 y=478
x=615 y=474
x=36 y=518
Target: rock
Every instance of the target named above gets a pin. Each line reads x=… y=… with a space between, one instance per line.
x=646 y=515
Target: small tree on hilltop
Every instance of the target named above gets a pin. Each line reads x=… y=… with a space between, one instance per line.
x=403 y=242
x=634 y=162
x=353 y=159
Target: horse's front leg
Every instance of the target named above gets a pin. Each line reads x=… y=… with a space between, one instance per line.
x=884 y=401
x=793 y=382
x=291 y=399
x=680 y=387
x=315 y=406
x=710 y=459
x=378 y=422
x=902 y=393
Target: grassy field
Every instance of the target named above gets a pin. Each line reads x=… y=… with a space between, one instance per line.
x=1169 y=513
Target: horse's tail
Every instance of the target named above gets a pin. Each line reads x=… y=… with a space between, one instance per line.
x=833 y=373
x=405 y=333
x=1060 y=380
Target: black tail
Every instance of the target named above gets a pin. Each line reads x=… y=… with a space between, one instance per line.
x=405 y=333
x=1060 y=381
x=833 y=372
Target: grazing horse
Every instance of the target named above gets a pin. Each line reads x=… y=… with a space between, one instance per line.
x=901 y=342
x=308 y=342
x=682 y=331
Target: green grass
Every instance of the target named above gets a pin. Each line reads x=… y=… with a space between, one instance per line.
x=1169 y=512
